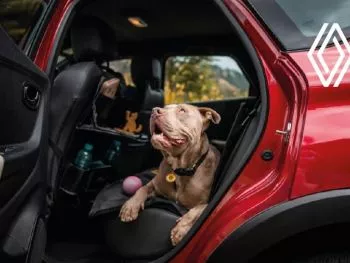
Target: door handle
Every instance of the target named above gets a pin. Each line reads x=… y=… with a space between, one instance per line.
x=31 y=96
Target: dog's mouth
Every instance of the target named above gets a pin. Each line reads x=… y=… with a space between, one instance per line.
x=159 y=134
x=157 y=129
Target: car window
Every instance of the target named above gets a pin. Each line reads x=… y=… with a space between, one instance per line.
x=123 y=66
x=203 y=78
x=19 y=17
x=296 y=23
x=64 y=60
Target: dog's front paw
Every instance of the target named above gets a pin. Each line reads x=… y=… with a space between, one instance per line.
x=180 y=230
x=130 y=210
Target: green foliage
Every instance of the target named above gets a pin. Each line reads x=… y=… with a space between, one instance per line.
x=17 y=17
x=199 y=78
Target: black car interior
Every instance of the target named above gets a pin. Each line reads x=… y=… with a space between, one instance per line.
x=81 y=113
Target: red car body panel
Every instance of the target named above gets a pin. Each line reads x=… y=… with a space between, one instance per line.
x=324 y=156
x=46 y=46
x=302 y=165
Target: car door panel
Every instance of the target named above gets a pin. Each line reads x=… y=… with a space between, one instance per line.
x=23 y=150
x=16 y=246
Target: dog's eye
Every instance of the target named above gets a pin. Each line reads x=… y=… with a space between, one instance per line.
x=182 y=110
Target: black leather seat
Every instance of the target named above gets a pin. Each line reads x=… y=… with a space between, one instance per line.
x=74 y=88
x=146 y=73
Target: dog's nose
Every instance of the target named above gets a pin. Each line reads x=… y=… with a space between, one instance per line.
x=157 y=111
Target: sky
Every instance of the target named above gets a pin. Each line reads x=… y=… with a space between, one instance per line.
x=227 y=62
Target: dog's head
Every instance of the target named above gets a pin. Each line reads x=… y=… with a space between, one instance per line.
x=174 y=128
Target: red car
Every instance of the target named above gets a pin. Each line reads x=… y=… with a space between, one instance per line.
x=78 y=74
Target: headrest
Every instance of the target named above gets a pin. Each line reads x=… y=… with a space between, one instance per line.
x=152 y=98
x=146 y=69
x=92 y=40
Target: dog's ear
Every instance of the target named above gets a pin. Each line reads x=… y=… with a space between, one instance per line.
x=209 y=115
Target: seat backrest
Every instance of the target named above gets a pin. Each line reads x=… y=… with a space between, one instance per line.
x=72 y=92
x=146 y=73
x=74 y=88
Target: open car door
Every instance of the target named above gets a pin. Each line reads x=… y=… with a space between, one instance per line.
x=23 y=152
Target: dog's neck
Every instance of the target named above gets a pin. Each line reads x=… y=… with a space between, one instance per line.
x=190 y=155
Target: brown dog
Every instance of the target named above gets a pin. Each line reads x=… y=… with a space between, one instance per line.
x=178 y=131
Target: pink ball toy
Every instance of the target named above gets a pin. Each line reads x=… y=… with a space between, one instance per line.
x=131 y=184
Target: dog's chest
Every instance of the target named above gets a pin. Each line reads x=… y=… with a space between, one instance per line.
x=189 y=191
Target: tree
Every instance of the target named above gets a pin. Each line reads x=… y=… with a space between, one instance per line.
x=191 y=78
x=18 y=16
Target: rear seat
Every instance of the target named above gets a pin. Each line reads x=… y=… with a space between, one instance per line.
x=137 y=239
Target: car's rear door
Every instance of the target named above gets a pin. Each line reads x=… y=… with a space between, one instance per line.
x=23 y=150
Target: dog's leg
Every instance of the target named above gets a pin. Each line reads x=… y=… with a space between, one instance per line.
x=131 y=208
x=185 y=223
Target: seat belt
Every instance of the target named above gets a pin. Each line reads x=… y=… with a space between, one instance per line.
x=234 y=132
x=235 y=137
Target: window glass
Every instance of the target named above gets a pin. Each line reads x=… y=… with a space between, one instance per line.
x=65 y=54
x=203 y=78
x=296 y=23
x=318 y=12
x=123 y=66
x=19 y=18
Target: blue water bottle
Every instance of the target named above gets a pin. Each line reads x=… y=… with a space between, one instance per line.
x=113 y=152
x=84 y=157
